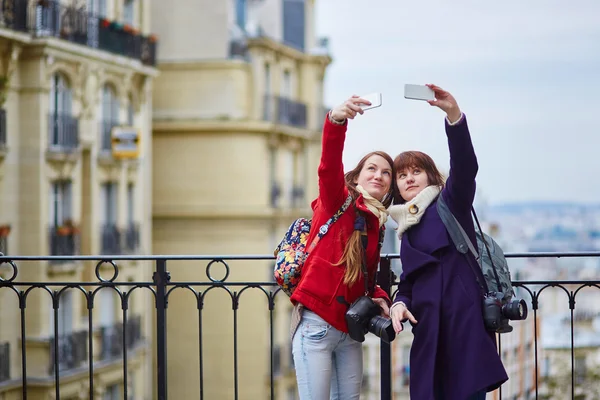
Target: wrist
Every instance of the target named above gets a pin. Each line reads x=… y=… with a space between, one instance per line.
x=454 y=115
x=398 y=303
x=334 y=120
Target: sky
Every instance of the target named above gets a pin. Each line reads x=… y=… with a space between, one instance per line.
x=526 y=74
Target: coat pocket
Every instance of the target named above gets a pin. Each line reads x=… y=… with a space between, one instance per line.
x=322 y=280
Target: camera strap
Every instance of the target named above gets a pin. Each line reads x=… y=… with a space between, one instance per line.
x=360 y=224
x=460 y=238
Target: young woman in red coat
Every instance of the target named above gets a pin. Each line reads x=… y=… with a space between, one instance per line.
x=328 y=362
x=453 y=356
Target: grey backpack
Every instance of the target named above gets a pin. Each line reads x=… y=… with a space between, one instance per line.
x=489 y=255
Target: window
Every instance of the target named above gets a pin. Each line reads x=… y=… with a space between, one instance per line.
x=294 y=17
x=286 y=85
x=129 y=12
x=65 y=315
x=109 y=197
x=111 y=238
x=61 y=133
x=112 y=392
x=275 y=188
x=110 y=115
x=130 y=203
x=130 y=114
x=60 y=203
x=107 y=307
x=97 y=8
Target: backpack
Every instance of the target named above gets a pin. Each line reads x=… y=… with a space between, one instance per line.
x=492 y=261
x=292 y=251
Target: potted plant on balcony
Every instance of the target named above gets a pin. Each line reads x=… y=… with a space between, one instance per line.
x=4 y=230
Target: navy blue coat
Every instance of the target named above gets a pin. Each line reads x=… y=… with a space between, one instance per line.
x=452 y=351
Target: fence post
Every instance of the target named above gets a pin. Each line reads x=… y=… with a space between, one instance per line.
x=384 y=281
x=161 y=277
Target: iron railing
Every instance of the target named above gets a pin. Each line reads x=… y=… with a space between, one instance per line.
x=284 y=111
x=111 y=239
x=112 y=337
x=132 y=237
x=71 y=349
x=76 y=24
x=64 y=241
x=162 y=286
x=63 y=132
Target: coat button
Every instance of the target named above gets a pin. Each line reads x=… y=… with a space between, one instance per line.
x=413 y=209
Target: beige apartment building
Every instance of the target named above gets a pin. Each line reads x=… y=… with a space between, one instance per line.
x=75 y=80
x=236 y=140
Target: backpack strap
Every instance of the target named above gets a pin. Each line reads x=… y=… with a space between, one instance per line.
x=459 y=237
x=325 y=227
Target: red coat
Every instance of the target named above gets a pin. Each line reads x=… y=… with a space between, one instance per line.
x=322 y=281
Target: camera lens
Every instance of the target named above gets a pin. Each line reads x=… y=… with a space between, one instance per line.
x=515 y=310
x=383 y=328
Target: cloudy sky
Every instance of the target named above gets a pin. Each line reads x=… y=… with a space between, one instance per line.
x=526 y=73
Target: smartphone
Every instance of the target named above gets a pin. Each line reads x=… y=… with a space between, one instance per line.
x=418 y=92
x=374 y=99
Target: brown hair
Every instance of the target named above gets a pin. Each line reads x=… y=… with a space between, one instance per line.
x=416 y=159
x=353 y=252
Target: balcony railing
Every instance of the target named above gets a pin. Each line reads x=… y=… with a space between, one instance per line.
x=71 y=350
x=63 y=132
x=132 y=237
x=4 y=362
x=112 y=338
x=50 y=18
x=284 y=111
x=4 y=245
x=111 y=239
x=3 y=132
x=164 y=283
x=64 y=241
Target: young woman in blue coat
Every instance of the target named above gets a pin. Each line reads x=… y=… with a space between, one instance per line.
x=453 y=356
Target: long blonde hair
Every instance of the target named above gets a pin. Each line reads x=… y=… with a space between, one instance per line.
x=353 y=252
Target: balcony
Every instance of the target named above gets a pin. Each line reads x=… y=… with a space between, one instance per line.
x=524 y=365
x=112 y=338
x=63 y=133
x=132 y=238
x=72 y=352
x=49 y=18
x=111 y=240
x=64 y=240
x=284 y=111
x=4 y=362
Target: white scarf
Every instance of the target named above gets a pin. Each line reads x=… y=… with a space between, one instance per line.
x=410 y=213
x=374 y=205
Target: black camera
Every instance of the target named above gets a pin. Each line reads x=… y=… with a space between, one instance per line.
x=364 y=316
x=497 y=310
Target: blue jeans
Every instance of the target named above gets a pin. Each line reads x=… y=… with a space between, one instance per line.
x=328 y=362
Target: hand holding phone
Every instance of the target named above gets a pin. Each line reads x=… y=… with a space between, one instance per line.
x=418 y=92
x=375 y=100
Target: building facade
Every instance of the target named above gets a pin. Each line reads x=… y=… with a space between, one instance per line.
x=74 y=75
x=236 y=143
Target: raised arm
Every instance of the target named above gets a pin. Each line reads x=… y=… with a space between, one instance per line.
x=460 y=185
x=331 y=168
